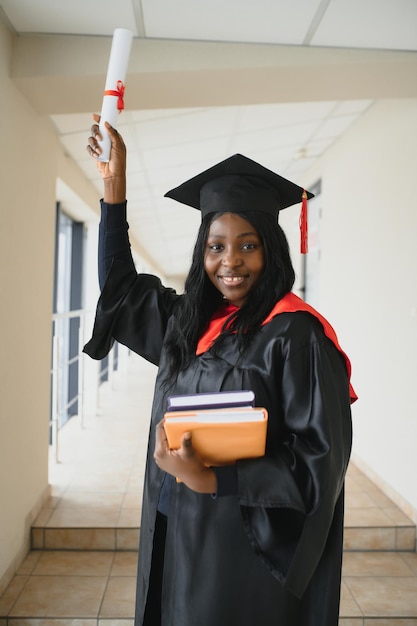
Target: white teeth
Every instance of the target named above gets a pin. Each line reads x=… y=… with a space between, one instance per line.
x=232 y=280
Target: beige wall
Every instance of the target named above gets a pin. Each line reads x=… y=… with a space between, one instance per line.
x=27 y=183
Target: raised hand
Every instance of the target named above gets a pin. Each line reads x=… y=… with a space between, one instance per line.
x=114 y=171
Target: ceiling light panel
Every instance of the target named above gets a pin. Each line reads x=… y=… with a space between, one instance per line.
x=263 y=21
x=77 y=17
x=383 y=24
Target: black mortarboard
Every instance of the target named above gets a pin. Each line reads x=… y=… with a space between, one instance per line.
x=239 y=184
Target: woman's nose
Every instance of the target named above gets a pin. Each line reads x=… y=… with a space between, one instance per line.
x=232 y=258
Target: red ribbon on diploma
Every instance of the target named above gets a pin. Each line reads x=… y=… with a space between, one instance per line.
x=119 y=92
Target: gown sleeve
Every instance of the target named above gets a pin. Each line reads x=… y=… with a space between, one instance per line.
x=133 y=309
x=113 y=240
x=290 y=498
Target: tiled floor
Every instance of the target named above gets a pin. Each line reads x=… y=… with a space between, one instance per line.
x=82 y=569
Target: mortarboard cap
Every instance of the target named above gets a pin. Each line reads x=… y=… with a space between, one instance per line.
x=239 y=184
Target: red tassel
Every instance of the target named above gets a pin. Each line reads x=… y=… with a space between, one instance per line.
x=304 y=225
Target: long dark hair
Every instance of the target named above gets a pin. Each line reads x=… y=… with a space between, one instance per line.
x=201 y=299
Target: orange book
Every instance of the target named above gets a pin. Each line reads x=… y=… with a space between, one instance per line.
x=220 y=436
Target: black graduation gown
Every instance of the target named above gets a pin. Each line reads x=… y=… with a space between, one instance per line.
x=271 y=554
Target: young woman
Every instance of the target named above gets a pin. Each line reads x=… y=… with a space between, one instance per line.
x=258 y=543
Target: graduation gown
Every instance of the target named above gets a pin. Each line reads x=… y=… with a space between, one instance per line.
x=269 y=555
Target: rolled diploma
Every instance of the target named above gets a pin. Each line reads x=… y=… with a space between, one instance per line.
x=116 y=71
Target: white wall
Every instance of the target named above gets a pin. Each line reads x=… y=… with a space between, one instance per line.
x=368 y=284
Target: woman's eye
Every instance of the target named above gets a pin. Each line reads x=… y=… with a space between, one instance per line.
x=249 y=246
x=215 y=247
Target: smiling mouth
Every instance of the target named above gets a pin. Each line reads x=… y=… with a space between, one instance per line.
x=232 y=280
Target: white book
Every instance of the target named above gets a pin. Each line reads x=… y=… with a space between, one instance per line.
x=221 y=399
x=218 y=416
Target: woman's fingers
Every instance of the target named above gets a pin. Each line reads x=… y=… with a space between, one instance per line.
x=161 y=441
x=93 y=147
x=187 y=449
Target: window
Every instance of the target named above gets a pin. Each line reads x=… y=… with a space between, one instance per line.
x=67 y=313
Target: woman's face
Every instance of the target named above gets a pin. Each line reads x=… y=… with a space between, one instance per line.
x=234 y=257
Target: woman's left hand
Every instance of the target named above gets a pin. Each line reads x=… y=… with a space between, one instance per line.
x=183 y=463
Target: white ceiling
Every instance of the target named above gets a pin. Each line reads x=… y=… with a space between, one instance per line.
x=166 y=146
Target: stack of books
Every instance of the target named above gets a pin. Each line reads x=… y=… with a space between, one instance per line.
x=224 y=426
